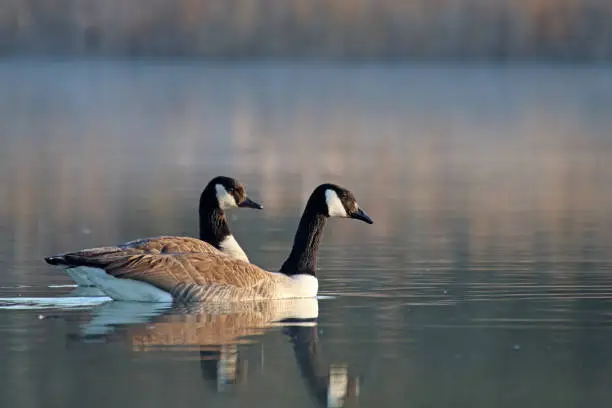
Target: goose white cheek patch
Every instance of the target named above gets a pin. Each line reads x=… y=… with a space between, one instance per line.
x=226 y=200
x=334 y=205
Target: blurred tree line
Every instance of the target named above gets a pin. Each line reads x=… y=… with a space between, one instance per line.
x=351 y=29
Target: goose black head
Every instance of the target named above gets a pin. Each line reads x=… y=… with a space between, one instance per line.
x=336 y=201
x=228 y=193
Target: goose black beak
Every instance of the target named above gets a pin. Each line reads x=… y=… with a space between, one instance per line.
x=361 y=216
x=248 y=203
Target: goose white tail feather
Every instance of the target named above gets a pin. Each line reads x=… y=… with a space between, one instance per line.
x=125 y=289
x=79 y=276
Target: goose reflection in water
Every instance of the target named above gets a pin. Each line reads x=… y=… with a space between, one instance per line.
x=216 y=331
x=329 y=384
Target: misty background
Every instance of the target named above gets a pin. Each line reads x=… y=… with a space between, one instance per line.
x=570 y=30
x=475 y=133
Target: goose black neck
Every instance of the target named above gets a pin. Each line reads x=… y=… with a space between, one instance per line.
x=303 y=257
x=213 y=224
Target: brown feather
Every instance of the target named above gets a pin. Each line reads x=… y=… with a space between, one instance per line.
x=169 y=244
x=102 y=256
x=170 y=270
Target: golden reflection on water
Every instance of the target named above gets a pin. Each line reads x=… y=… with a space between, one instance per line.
x=218 y=336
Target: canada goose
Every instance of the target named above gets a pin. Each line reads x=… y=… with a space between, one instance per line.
x=212 y=276
x=220 y=194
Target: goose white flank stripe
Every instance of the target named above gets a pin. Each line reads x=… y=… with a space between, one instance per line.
x=212 y=275
x=125 y=289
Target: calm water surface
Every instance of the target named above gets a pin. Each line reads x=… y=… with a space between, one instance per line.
x=486 y=279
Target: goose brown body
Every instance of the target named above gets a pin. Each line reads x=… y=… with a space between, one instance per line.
x=163 y=271
x=165 y=244
x=209 y=275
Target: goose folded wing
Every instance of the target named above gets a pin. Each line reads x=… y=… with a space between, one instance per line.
x=170 y=244
x=166 y=271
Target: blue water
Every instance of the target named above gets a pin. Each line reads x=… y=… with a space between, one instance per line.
x=485 y=280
